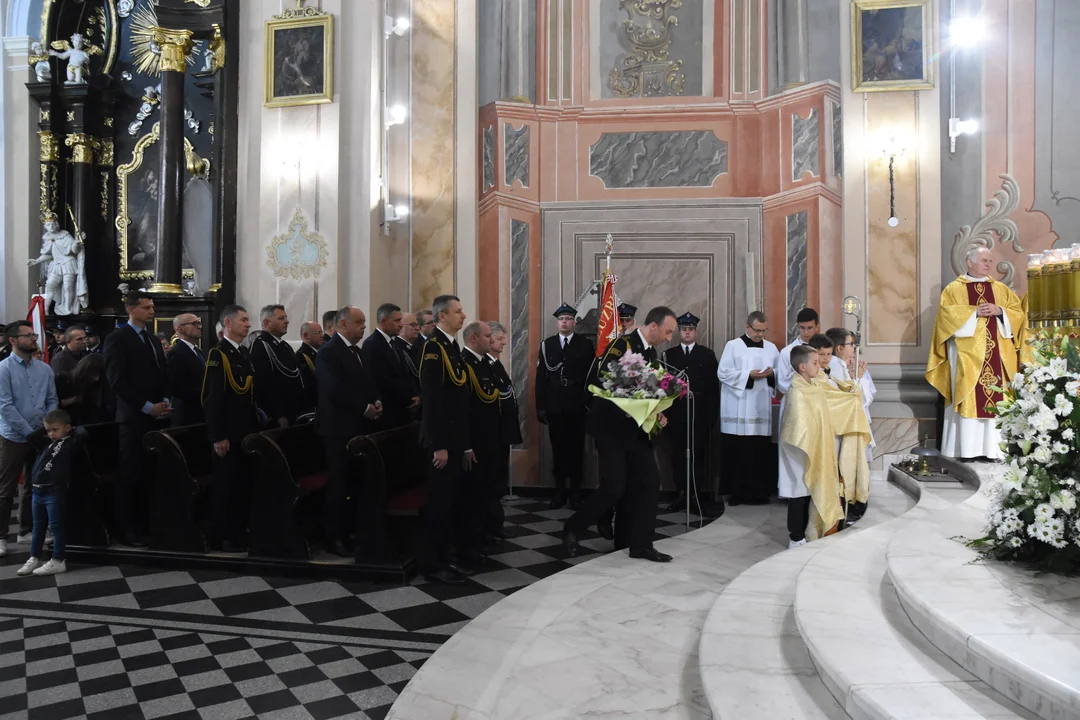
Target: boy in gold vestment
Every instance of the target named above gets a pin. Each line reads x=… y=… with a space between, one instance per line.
x=818 y=414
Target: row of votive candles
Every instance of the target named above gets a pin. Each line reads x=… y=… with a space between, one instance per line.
x=1054 y=287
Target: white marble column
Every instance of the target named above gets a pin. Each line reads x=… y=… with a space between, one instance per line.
x=19 y=149
x=518 y=50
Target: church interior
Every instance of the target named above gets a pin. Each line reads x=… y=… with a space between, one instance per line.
x=275 y=532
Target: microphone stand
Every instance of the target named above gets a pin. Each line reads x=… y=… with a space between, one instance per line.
x=689 y=438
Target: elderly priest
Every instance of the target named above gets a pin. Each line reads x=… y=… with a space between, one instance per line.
x=972 y=353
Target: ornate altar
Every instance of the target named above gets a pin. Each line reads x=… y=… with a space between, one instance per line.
x=137 y=121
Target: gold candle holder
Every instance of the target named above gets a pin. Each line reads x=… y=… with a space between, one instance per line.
x=1035 y=295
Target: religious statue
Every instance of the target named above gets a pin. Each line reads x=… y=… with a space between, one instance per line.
x=973 y=356
x=78 y=59
x=65 y=278
x=39 y=59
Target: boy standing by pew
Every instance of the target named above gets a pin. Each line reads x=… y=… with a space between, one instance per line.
x=814 y=481
x=51 y=477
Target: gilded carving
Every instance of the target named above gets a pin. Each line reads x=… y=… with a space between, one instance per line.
x=648 y=71
x=44 y=209
x=996 y=220
x=105 y=153
x=196 y=165
x=50 y=149
x=71 y=116
x=217 y=47
x=82 y=147
x=44 y=115
x=175 y=46
x=108 y=122
x=105 y=195
x=200 y=3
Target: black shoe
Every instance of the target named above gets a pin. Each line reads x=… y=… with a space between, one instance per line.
x=576 y=501
x=447 y=577
x=570 y=542
x=606 y=531
x=499 y=534
x=559 y=501
x=462 y=569
x=339 y=548
x=678 y=505
x=651 y=554
x=491 y=547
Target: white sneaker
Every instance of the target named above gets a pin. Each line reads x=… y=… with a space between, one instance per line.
x=25 y=539
x=53 y=567
x=31 y=565
x=3 y=548
x=795 y=543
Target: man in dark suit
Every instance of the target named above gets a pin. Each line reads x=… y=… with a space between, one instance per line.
x=561 y=371
x=699 y=364
x=228 y=397
x=348 y=406
x=135 y=368
x=479 y=486
x=186 y=365
x=624 y=452
x=509 y=432
x=329 y=323
x=280 y=390
x=444 y=392
x=409 y=342
x=74 y=350
x=311 y=333
x=426 y=320
x=387 y=365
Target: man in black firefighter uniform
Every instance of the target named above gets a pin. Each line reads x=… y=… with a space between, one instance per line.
x=698 y=363
x=628 y=473
x=228 y=399
x=280 y=391
x=481 y=481
x=561 y=371
x=626 y=318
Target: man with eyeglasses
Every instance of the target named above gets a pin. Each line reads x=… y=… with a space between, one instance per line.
x=747 y=375
x=427 y=325
x=408 y=341
x=186 y=364
x=27 y=393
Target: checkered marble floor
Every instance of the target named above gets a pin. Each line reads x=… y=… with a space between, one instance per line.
x=125 y=642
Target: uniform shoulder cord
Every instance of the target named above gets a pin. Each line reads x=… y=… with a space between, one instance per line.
x=458 y=380
x=486 y=398
x=229 y=378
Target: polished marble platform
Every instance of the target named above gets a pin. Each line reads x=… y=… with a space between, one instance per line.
x=612 y=637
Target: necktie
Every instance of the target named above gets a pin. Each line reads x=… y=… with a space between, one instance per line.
x=456 y=346
x=686 y=350
x=150 y=347
x=565 y=342
x=198 y=353
x=356 y=353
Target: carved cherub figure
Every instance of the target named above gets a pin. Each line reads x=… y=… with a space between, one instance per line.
x=77 y=53
x=39 y=59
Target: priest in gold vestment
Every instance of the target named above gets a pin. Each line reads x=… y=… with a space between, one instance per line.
x=973 y=351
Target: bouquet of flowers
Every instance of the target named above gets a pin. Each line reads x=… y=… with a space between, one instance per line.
x=640 y=389
x=1033 y=515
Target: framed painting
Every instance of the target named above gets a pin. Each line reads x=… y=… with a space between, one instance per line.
x=892 y=45
x=299 y=58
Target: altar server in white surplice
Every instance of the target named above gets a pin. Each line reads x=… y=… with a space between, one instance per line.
x=807 y=324
x=747 y=375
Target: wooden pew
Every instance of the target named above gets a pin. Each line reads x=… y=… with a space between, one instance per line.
x=183 y=461
x=380 y=492
x=90 y=491
x=287 y=465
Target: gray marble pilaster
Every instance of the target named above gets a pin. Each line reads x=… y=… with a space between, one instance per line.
x=516 y=155
x=838 y=139
x=793 y=45
x=796 y=269
x=519 y=50
x=805 y=143
x=489 y=158
x=519 y=316
x=685 y=158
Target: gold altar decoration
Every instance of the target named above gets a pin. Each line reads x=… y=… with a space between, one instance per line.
x=48 y=189
x=104 y=152
x=105 y=195
x=122 y=221
x=50 y=150
x=1053 y=296
x=82 y=148
x=175 y=46
x=297 y=253
x=113 y=39
x=44 y=115
x=648 y=70
x=147 y=52
x=217 y=47
x=200 y=3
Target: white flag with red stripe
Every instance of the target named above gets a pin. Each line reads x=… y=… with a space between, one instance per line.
x=36 y=317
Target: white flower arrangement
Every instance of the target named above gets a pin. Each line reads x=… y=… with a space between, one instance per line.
x=1033 y=515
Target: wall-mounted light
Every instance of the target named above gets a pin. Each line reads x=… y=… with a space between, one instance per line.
x=966 y=31
x=396 y=213
x=958 y=127
x=396 y=115
x=397 y=26
x=892 y=148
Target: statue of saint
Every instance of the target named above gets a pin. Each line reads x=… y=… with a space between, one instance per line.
x=78 y=66
x=65 y=279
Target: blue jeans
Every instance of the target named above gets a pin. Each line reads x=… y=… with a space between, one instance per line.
x=48 y=506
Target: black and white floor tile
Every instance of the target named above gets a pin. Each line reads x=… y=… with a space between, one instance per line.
x=124 y=642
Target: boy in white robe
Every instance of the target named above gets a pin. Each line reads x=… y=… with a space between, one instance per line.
x=747 y=373
x=806 y=323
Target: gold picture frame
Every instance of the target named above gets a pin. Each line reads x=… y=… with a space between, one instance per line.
x=299 y=62
x=892 y=45
x=123 y=219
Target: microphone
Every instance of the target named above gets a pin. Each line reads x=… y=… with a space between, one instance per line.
x=679 y=373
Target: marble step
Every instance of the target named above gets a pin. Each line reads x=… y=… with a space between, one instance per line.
x=873 y=660
x=1014 y=630
x=753 y=662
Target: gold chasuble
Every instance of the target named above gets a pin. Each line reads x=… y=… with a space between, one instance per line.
x=816 y=415
x=985 y=359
